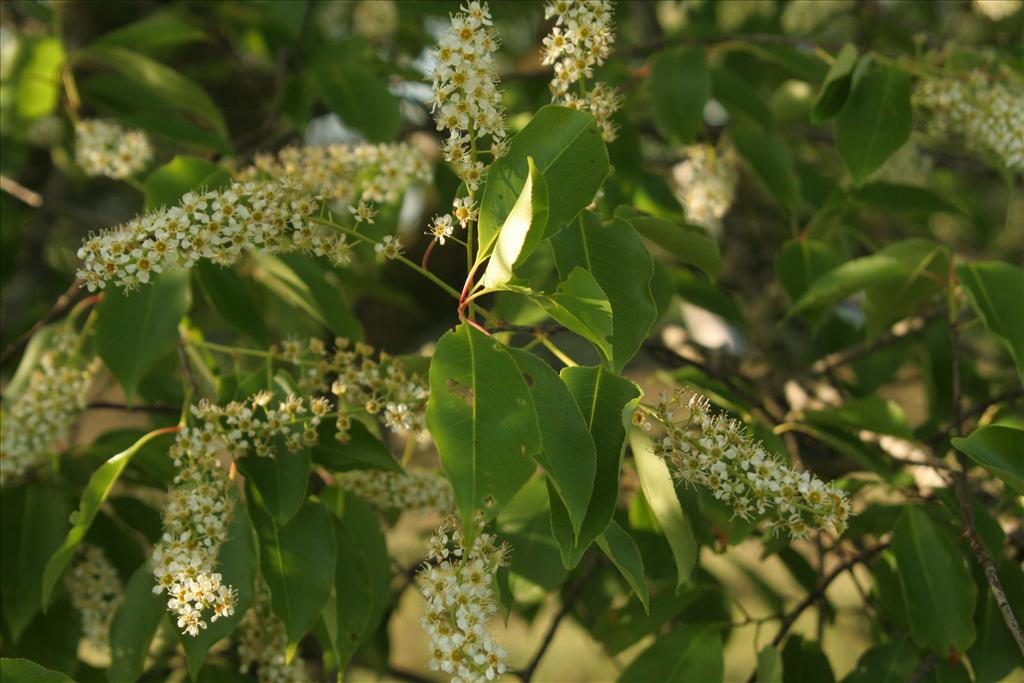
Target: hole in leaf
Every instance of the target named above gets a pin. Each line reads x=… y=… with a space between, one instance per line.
x=529 y=380
x=459 y=389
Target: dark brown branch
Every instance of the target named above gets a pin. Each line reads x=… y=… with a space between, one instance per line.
x=63 y=303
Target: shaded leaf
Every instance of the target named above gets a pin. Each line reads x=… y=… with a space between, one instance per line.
x=998 y=449
x=803 y=660
x=622 y=551
x=25 y=671
x=996 y=290
x=281 y=479
x=692 y=652
x=362 y=451
x=876 y=120
x=679 y=87
x=234 y=299
x=134 y=626
x=769 y=156
x=687 y=243
x=836 y=87
x=360 y=98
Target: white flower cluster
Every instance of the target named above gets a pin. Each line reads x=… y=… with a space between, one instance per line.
x=199 y=506
x=708 y=450
x=416 y=489
x=908 y=166
x=262 y=643
x=219 y=225
x=467 y=102
x=375 y=19
x=457 y=584
x=582 y=39
x=42 y=415
x=997 y=10
x=705 y=184
x=348 y=174
x=464 y=211
x=803 y=16
x=95 y=590
x=107 y=149
x=987 y=114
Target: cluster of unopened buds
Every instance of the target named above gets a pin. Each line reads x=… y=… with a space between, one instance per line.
x=457 y=584
x=706 y=449
x=467 y=101
x=705 y=183
x=262 y=643
x=580 y=41
x=219 y=225
x=96 y=591
x=987 y=114
x=41 y=416
x=415 y=489
x=106 y=149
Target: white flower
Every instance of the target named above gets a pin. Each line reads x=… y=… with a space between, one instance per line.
x=441 y=228
x=388 y=248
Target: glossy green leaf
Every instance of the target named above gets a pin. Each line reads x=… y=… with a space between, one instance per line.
x=893 y=662
x=996 y=290
x=237 y=564
x=801 y=262
x=621 y=549
x=687 y=243
x=95 y=493
x=876 y=120
x=688 y=653
x=297 y=562
x=165 y=186
x=234 y=299
x=39 y=82
x=362 y=451
x=313 y=287
x=803 y=660
x=281 y=479
x=617 y=258
x=998 y=449
x=482 y=418
x=154 y=33
x=134 y=626
x=660 y=492
x=360 y=98
x=836 y=87
x=567 y=451
x=769 y=665
x=929 y=565
x=33 y=523
x=520 y=233
x=770 y=159
x=134 y=330
x=607 y=403
x=353 y=596
x=679 y=87
x=568 y=150
x=25 y=671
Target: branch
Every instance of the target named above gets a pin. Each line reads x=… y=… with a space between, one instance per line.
x=140 y=408
x=900 y=330
x=19 y=191
x=958 y=420
x=62 y=304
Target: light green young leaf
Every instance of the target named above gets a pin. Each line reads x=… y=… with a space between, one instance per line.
x=567 y=450
x=689 y=653
x=679 y=87
x=297 y=561
x=996 y=290
x=876 y=120
x=38 y=88
x=95 y=493
x=617 y=258
x=621 y=549
x=660 y=492
x=929 y=565
x=483 y=420
x=836 y=87
x=134 y=626
x=134 y=330
x=568 y=150
x=520 y=233
x=998 y=449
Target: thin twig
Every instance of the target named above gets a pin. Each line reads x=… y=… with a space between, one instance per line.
x=62 y=304
x=19 y=191
x=963 y=416
x=897 y=332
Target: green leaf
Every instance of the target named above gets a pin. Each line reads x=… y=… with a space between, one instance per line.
x=803 y=660
x=568 y=150
x=995 y=653
x=893 y=662
x=660 y=492
x=801 y=262
x=567 y=451
x=836 y=87
x=996 y=290
x=33 y=522
x=363 y=523
x=363 y=451
x=520 y=233
x=25 y=671
x=234 y=299
x=304 y=282
x=617 y=258
x=153 y=34
x=134 y=626
x=770 y=158
x=281 y=479
x=872 y=413
x=998 y=449
x=930 y=564
x=482 y=418
x=740 y=97
x=39 y=83
x=687 y=243
x=876 y=120
x=95 y=493
x=178 y=129
x=353 y=596
x=769 y=665
x=40 y=342
x=134 y=330
x=679 y=87
x=166 y=185
x=360 y=98
x=901 y=197
x=150 y=76
x=237 y=563
x=297 y=562
x=607 y=403
x=687 y=654
x=621 y=549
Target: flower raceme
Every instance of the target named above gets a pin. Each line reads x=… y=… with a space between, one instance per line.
x=96 y=591
x=106 y=149
x=705 y=449
x=416 y=489
x=457 y=584
x=705 y=184
x=262 y=643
